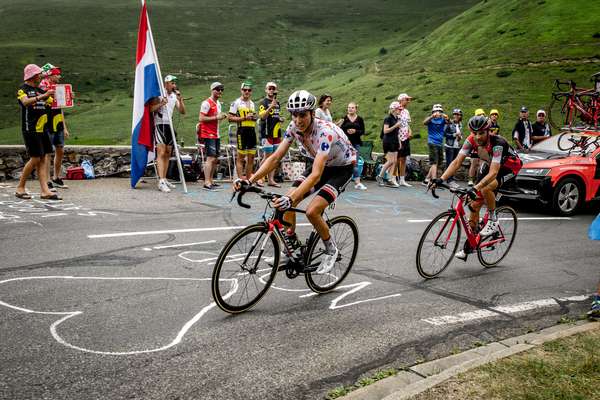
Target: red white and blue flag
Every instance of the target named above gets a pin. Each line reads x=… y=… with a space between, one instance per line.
x=147 y=86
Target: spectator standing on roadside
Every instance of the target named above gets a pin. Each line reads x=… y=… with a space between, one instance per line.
x=34 y=103
x=435 y=124
x=389 y=134
x=323 y=111
x=270 y=125
x=453 y=136
x=208 y=132
x=494 y=127
x=354 y=127
x=163 y=137
x=540 y=129
x=243 y=112
x=474 y=156
x=57 y=128
x=404 y=136
x=522 y=131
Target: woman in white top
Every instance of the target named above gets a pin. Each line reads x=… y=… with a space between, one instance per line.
x=322 y=112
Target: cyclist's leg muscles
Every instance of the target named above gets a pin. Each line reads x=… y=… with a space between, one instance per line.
x=314 y=213
x=489 y=195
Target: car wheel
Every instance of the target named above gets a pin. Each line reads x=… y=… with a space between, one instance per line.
x=567 y=197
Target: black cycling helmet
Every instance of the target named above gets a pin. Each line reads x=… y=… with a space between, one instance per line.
x=301 y=100
x=479 y=123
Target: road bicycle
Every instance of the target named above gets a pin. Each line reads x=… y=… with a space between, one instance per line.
x=249 y=262
x=572 y=141
x=569 y=104
x=441 y=238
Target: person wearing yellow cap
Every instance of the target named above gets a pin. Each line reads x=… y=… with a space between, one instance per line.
x=479 y=112
x=494 y=127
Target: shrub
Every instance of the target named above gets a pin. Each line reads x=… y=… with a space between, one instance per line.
x=383 y=51
x=503 y=73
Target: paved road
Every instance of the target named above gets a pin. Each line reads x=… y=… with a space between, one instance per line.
x=97 y=301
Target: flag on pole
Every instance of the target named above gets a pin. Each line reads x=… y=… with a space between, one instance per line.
x=147 y=86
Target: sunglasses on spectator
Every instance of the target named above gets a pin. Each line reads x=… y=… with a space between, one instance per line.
x=219 y=89
x=246 y=90
x=271 y=88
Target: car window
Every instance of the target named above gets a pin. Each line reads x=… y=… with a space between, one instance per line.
x=549 y=145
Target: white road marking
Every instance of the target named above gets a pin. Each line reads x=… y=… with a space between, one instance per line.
x=142 y=233
x=418 y=221
x=70 y=314
x=183 y=245
x=496 y=311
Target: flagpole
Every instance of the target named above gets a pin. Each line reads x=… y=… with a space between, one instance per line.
x=163 y=93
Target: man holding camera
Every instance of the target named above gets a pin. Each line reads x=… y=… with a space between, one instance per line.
x=163 y=115
x=270 y=125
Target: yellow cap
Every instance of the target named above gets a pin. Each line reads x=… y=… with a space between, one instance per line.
x=494 y=111
x=479 y=111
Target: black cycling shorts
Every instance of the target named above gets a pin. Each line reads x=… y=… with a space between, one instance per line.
x=332 y=183
x=246 y=140
x=504 y=174
x=37 y=144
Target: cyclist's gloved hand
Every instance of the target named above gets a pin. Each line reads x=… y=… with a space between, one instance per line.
x=472 y=193
x=435 y=183
x=238 y=184
x=283 y=203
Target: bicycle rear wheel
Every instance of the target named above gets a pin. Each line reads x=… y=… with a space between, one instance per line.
x=502 y=241
x=245 y=269
x=565 y=141
x=438 y=245
x=344 y=232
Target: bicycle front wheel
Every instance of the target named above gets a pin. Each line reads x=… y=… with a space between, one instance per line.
x=566 y=141
x=245 y=269
x=494 y=248
x=438 y=245
x=344 y=232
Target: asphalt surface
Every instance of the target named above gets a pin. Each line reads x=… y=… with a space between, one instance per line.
x=97 y=302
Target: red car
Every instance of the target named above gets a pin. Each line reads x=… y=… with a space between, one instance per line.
x=564 y=180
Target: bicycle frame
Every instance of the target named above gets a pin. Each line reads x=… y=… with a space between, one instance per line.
x=473 y=238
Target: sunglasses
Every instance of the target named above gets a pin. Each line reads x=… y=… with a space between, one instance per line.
x=218 y=89
x=271 y=88
x=246 y=90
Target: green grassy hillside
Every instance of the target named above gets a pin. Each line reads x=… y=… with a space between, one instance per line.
x=200 y=41
x=466 y=54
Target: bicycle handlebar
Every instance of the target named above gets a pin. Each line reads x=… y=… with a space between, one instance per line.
x=253 y=189
x=456 y=190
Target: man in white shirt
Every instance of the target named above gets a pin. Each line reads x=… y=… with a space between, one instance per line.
x=162 y=108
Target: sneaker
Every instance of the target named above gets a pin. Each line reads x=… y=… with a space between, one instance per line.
x=594 y=313
x=425 y=182
x=211 y=188
x=461 y=255
x=380 y=180
x=328 y=262
x=490 y=228
x=470 y=183
x=404 y=183
x=393 y=184
x=169 y=184
x=59 y=183
x=215 y=185
x=50 y=185
x=162 y=186
x=360 y=186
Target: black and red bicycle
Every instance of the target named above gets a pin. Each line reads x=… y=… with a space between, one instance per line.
x=572 y=107
x=441 y=238
x=249 y=262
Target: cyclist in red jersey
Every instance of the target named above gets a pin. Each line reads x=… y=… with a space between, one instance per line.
x=500 y=163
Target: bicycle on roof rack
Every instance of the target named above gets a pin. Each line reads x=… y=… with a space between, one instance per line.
x=570 y=104
x=577 y=141
x=441 y=238
x=249 y=261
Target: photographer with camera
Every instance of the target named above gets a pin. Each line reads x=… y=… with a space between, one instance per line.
x=162 y=108
x=270 y=126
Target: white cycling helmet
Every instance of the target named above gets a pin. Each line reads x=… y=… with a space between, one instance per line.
x=301 y=100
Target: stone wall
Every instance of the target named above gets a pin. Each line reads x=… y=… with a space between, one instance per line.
x=115 y=160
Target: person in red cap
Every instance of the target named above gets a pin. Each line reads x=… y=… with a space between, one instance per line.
x=57 y=127
x=35 y=103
